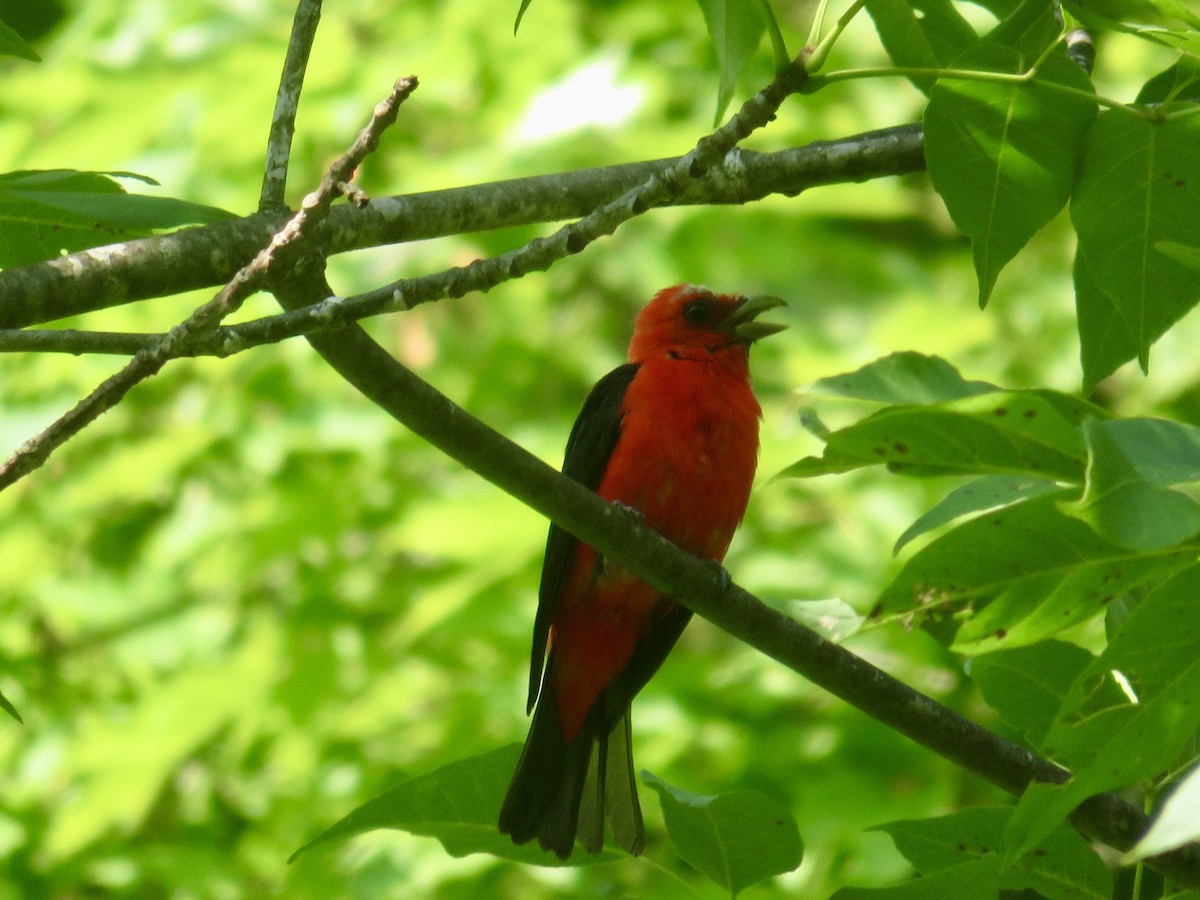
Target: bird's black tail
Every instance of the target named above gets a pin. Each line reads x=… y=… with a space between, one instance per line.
x=562 y=790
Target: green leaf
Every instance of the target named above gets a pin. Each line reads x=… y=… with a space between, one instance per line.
x=1180 y=81
x=833 y=619
x=1003 y=156
x=1030 y=609
x=924 y=34
x=1175 y=824
x=1122 y=746
x=1162 y=21
x=1127 y=504
x=736 y=839
x=1062 y=867
x=1027 y=685
x=1188 y=256
x=1109 y=744
x=12 y=44
x=736 y=28
x=43 y=213
x=521 y=14
x=6 y=705
x=905 y=377
x=459 y=804
x=1107 y=339
x=1159 y=451
x=1157 y=642
x=977 y=495
x=780 y=54
x=1139 y=185
x=1016 y=576
x=978 y=880
x=1000 y=432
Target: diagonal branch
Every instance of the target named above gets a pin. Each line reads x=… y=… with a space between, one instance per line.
x=282 y=252
x=707 y=590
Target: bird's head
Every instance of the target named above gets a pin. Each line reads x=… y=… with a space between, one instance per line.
x=691 y=322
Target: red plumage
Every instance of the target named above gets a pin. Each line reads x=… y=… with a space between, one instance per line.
x=674 y=435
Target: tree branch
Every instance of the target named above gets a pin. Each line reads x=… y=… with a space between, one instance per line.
x=287 y=101
x=75 y=342
x=619 y=535
x=284 y=251
x=210 y=255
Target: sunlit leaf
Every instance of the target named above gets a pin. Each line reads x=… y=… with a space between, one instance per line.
x=1000 y=432
x=1168 y=22
x=1175 y=824
x=926 y=34
x=987 y=492
x=905 y=377
x=6 y=705
x=736 y=839
x=46 y=212
x=835 y=620
x=1121 y=745
x=1017 y=575
x=1188 y=256
x=1155 y=645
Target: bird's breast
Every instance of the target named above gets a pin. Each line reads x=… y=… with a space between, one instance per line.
x=687 y=452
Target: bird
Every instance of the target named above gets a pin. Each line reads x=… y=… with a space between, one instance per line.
x=673 y=435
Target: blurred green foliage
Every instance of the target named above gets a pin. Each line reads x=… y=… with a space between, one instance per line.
x=245 y=601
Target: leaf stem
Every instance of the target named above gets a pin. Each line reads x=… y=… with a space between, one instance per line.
x=820 y=52
x=978 y=75
x=779 y=51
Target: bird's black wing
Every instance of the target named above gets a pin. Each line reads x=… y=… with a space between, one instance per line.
x=589 y=449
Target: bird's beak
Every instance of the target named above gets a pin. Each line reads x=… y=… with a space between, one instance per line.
x=741 y=322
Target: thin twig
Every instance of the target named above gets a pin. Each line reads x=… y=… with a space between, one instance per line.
x=287 y=101
x=75 y=342
x=657 y=190
x=539 y=254
x=149 y=361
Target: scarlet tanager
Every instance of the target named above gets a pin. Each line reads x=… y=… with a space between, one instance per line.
x=674 y=435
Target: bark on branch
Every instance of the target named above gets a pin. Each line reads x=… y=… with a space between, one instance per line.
x=210 y=255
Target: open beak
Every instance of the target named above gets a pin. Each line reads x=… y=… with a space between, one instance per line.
x=742 y=324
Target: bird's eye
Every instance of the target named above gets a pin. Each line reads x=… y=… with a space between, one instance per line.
x=700 y=310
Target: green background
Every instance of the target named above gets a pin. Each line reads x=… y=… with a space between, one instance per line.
x=246 y=601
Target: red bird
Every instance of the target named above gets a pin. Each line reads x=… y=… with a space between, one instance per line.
x=674 y=435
